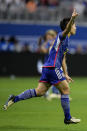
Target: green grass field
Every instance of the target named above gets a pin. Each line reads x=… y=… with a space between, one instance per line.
x=38 y=114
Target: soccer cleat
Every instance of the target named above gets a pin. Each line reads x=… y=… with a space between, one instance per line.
x=9 y=102
x=73 y=120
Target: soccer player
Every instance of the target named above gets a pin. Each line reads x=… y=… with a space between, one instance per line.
x=50 y=36
x=52 y=74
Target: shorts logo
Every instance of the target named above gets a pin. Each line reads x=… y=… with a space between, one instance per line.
x=58 y=73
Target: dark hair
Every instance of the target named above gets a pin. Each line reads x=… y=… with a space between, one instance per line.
x=64 y=22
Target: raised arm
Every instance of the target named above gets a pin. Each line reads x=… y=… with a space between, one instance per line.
x=69 y=25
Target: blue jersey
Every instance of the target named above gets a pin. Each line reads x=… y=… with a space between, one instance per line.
x=47 y=46
x=57 y=51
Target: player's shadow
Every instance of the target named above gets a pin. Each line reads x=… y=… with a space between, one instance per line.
x=24 y=128
x=10 y=127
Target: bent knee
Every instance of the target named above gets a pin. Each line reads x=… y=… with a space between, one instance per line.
x=40 y=92
x=65 y=90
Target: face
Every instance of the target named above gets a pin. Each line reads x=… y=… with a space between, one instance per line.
x=73 y=29
x=49 y=37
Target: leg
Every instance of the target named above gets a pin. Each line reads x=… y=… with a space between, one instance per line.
x=42 y=88
x=64 y=89
x=55 y=94
x=39 y=91
x=42 y=91
x=55 y=90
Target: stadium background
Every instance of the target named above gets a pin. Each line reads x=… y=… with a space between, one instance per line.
x=22 y=22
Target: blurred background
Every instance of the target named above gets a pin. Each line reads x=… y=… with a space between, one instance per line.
x=27 y=30
x=24 y=28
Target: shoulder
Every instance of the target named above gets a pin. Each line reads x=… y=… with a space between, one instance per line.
x=60 y=36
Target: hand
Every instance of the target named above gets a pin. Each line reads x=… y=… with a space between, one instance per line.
x=74 y=14
x=69 y=79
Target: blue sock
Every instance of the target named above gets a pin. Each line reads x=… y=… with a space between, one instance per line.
x=66 y=106
x=25 y=95
x=55 y=90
